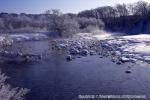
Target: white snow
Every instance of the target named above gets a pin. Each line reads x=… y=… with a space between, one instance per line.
x=142 y=44
x=141 y=37
x=103 y=36
x=132 y=44
x=2 y=38
x=35 y=36
x=140 y=48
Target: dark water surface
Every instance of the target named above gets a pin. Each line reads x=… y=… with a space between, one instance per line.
x=56 y=79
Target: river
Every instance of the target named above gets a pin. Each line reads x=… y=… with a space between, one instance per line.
x=53 y=78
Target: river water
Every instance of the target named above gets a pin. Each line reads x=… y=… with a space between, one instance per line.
x=53 y=78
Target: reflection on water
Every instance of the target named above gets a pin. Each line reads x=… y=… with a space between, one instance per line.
x=55 y=79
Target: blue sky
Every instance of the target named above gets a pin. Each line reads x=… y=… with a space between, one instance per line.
x=39 y=6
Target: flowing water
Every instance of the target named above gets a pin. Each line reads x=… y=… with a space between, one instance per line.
x=53 y=78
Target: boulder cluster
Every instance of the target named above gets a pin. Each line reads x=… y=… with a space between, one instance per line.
x=83 y=46
x=76 y=47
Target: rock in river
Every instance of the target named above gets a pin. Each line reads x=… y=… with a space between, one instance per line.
x=92 y=52
x=74 y=51
x=124 y=59
x=84 y=52
x=69 y=58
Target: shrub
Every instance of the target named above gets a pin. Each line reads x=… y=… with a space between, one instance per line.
x=64 y=25
x=8 y=93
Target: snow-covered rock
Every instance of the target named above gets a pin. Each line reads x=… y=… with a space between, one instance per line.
x=92 y=52
x=124 y=59
x=84 y=52
x=61 y=46
x=115 y=53
x=120 y=48
x=74 y=51
x=79 y=46
x=147 y=59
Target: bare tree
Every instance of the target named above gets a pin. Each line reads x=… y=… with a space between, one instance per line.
x=106 y=12
x=122 y=10
x=86 y=22
x=140 y=8
x=2 y=26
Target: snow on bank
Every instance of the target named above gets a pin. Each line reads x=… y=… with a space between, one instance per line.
x=138 y=37
x=103 y=36
x=136 y=45
x=139 y=48
x=28 y=37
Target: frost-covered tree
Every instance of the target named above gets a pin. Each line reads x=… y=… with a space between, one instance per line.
x=122 y=10
x=140 y=8
x=106 y=12
x=85 y=22
x=88 y=13
x=62 y=24
x=91 y=25
x=2 y=26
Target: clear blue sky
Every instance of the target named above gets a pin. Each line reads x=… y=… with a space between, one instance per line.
x=39 y=6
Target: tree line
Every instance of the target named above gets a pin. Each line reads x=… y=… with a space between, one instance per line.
x=50 y=21
x=121 y=16
x=118 y=17
x=69 y=24
x=22 y=22
x=140 y=8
